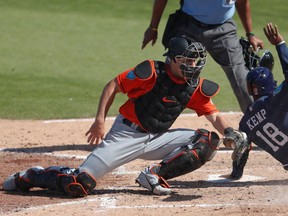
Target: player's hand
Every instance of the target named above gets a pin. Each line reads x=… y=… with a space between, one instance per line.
x=272 y=34
x=150 y=35
x=96 y=133
x=256 y=43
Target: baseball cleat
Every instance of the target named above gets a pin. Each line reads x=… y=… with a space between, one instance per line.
x=19 y=180
x=10 y=183
x=151 y=182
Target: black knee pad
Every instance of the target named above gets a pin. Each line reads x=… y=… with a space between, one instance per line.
x=186 y=161
x=191 y=157
x=205 y=144
x=77 y=185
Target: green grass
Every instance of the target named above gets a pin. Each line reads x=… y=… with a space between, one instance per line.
x=57 y=55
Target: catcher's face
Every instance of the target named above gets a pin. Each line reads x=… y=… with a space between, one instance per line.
x=179 y=63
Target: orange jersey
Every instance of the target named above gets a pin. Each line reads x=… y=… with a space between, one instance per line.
x=134 y=87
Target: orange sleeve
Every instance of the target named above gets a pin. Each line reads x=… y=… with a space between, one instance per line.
x=133 y=85
x=201 y=104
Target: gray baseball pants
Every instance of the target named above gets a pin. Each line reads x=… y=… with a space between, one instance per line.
x=123 y=144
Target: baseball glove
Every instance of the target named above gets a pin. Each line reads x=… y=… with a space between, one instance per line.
x=237 y=140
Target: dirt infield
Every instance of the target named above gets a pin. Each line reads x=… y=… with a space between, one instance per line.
x=207 y=191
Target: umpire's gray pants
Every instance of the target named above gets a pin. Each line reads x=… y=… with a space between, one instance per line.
x=123 y=144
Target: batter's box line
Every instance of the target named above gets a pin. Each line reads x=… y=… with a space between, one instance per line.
x=107 y=203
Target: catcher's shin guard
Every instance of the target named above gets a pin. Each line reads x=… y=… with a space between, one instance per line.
x=47 y=178
x=65 y=179
x=54 y=178
x=77 y=184
x=38 y=177
x=191 y=157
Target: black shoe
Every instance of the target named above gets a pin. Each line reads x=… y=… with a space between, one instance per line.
x=238 y=168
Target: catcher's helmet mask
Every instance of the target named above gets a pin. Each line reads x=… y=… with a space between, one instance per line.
x=260 y=82
x=190 y=55
x=263 y=58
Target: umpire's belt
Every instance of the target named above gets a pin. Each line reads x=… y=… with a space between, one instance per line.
x=133 y=125
x=197 y=22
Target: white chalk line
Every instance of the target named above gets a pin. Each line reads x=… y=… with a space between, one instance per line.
x=65 y=155
x=113 y=118
x=107 y=203
x=216 y=178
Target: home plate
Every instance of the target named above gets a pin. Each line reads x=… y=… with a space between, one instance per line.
x=217 y=178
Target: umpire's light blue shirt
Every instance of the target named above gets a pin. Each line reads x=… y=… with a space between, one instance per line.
x=210 y=11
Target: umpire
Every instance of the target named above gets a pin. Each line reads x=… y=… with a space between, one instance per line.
x=211 y=23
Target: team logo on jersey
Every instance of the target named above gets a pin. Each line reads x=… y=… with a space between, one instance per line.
x=131 y=75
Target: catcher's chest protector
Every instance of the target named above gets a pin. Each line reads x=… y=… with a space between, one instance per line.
x=158 y=109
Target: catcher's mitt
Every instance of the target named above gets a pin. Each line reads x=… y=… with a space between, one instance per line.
x=237 y=140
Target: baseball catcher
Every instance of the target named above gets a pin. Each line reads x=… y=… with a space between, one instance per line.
x=157 y=93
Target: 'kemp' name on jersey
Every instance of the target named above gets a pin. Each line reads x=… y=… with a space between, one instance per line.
x=256 y=119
